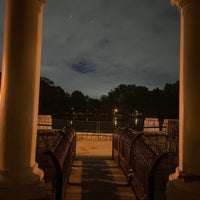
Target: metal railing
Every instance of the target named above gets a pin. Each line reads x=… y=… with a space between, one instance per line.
x=55 y=154
x=147 y=168
x=94 y=126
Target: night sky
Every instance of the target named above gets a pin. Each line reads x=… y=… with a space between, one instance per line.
x=95 y=45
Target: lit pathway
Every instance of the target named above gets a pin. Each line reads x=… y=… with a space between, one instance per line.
x=95 y=176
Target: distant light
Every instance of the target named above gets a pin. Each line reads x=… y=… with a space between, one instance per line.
x=115 y=110
x=136 y=121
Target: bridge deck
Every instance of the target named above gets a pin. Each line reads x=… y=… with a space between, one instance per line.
x=94 y=175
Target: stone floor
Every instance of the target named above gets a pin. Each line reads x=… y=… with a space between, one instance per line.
x=95 y=176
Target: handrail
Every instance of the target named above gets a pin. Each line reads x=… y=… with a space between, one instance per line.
x=61 y=154
x=140 y=159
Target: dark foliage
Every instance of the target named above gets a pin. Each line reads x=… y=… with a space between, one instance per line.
x=53 y=99
x=128 y=99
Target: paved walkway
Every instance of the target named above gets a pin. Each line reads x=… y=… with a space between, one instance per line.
x=95 y=176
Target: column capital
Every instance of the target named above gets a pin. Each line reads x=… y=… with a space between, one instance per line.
x=179 y=3
x=42 y=1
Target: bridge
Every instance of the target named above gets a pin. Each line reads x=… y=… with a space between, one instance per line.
x=102 y=165
x=95 y=175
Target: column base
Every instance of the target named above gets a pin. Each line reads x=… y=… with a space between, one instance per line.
x=31 y=192
x=22 y=184
x=20 y=177
x=183 y=186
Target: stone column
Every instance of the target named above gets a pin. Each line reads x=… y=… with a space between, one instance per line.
x=19 y=173
x=185 y=182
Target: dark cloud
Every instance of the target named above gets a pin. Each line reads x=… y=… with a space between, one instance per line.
x=83 y=66
x=94 y=45
x=103 y=43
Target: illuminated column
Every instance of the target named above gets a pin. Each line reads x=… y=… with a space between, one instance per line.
x=185 y=182
x=19 y=173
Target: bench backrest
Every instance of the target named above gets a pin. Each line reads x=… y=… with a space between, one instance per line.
x=139 y=158
x=62 y=155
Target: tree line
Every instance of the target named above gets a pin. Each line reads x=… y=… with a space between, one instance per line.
x=124 y=99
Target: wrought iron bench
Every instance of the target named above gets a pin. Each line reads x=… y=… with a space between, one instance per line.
x=142 y=162
x=57 y=162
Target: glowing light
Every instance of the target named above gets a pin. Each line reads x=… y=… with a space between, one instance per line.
x=136 y=121
x=115 y=111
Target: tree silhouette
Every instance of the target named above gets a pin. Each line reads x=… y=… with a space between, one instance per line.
x=52 y=98
x=126 y=98
x=78 y=102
